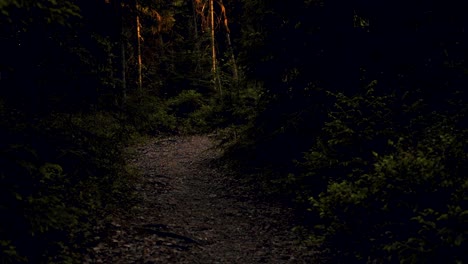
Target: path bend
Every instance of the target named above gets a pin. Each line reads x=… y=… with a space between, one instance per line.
x=191 y=211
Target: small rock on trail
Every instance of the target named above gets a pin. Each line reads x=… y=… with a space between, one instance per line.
x=190 y=211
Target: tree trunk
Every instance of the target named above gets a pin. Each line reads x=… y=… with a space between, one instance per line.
x=235 y=73
x=198 y=58
x=214 y=68
x=195 y=23
x=140 y=66
x=123 y=59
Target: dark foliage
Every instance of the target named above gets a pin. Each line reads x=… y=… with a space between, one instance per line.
x=62 y=167
x=361 y=106
x=355 y=110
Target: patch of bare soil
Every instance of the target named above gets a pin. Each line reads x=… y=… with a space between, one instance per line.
x=193 y=212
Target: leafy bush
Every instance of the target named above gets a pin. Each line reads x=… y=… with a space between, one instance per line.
x=356 y=127
x=387 y=184
x=233 y=110
x=191 y=110
x=59 y=176
x=148 y=115
x=185 y=103
x=410 y=208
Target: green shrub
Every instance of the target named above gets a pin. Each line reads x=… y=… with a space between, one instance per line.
x=410 y=208
x=384 y=183
x=192 y=111
x=387 y=184
x=356 y=127
x=185 y=103
x=37 y=219
x=59 y=177
x=148 y=115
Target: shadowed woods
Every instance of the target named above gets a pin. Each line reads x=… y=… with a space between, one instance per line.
x=352 y=113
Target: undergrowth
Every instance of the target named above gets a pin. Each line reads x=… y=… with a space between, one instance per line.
x=60 y=175
x=378 y=182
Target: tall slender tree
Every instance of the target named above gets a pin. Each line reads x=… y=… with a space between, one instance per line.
x=235 y=71
x=140 y=63
x=213 y=15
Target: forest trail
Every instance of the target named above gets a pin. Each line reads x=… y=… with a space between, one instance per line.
x=192 y=212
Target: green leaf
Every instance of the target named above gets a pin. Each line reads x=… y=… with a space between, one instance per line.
x=459 y=240
x=18 y=196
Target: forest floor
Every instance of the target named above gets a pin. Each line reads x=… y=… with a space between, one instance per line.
x=191 y=210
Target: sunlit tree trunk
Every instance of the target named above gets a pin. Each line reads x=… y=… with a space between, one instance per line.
x=235 y=72
x=140 y=64
x=213 y=48
x=214 y=68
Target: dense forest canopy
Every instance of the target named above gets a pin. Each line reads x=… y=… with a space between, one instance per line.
x=355 y=111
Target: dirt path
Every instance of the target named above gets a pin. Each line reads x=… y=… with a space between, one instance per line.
x=191 y=212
